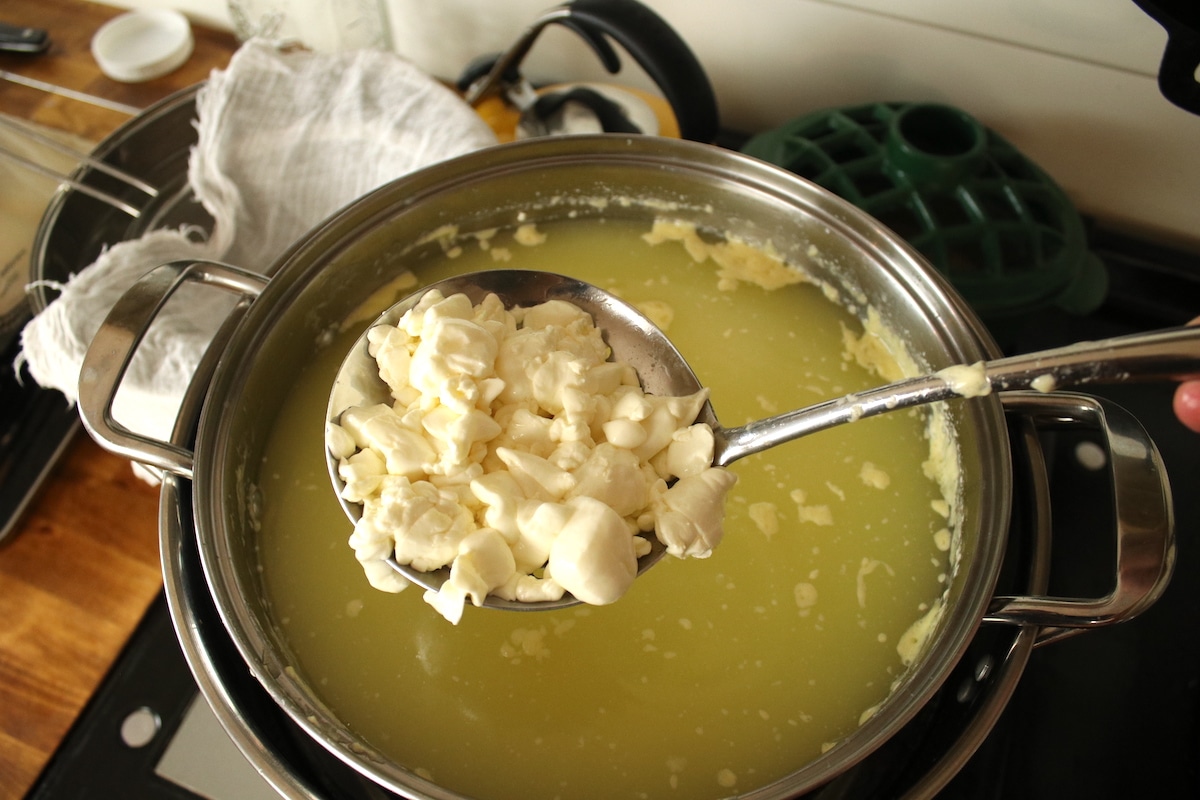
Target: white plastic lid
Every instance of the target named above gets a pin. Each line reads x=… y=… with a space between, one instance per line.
x=142 y=45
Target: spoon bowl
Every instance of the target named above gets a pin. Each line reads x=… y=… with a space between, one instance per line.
x=1171 y=354
x=632 y=337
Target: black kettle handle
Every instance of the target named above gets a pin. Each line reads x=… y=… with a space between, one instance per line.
x=660 y=51
x=1177 y=72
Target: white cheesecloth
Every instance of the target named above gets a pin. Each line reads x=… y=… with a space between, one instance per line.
x=284 y=140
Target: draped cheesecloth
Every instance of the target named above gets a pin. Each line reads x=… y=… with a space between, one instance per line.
x=284 y=140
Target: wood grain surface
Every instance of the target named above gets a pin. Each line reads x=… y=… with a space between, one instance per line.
x=68 y=63
x=80 y=571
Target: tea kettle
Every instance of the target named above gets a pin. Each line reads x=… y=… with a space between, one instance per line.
x=493 y=84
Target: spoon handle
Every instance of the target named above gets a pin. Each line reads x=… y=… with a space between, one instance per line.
x=1172 y=354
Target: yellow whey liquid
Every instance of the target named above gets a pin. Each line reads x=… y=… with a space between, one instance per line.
x=710 y=677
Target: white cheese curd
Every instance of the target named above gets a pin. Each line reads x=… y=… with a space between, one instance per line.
x=1044 y=383
x=516 y=453
x=967 y=380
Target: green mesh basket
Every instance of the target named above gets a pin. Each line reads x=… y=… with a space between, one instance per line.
x=991 y=221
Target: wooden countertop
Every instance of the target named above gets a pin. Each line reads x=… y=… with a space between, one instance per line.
x=77 y=575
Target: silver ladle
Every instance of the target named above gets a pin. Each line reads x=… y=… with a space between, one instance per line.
x=1171 y=354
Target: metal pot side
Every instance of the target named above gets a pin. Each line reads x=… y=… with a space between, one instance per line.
x=338 y=265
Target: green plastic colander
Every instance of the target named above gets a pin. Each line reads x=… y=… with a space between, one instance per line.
x=998 y=227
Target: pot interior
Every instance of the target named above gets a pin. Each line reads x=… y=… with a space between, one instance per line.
x=410 y=226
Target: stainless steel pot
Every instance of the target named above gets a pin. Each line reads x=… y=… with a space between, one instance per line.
x=338 y=265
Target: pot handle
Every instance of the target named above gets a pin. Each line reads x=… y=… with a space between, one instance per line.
x=112 y=348
x=1145 y=523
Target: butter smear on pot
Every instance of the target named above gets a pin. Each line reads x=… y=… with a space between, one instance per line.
x=520 y=456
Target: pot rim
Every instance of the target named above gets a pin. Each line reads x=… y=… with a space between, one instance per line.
x=966 y=339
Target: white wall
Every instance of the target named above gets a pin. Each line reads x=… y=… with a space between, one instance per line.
x=1069 y=82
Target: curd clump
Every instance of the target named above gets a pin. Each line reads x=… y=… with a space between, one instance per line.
x=518 y=455
x=967 y=380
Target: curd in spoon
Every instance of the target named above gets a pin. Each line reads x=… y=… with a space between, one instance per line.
x=481 y=436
